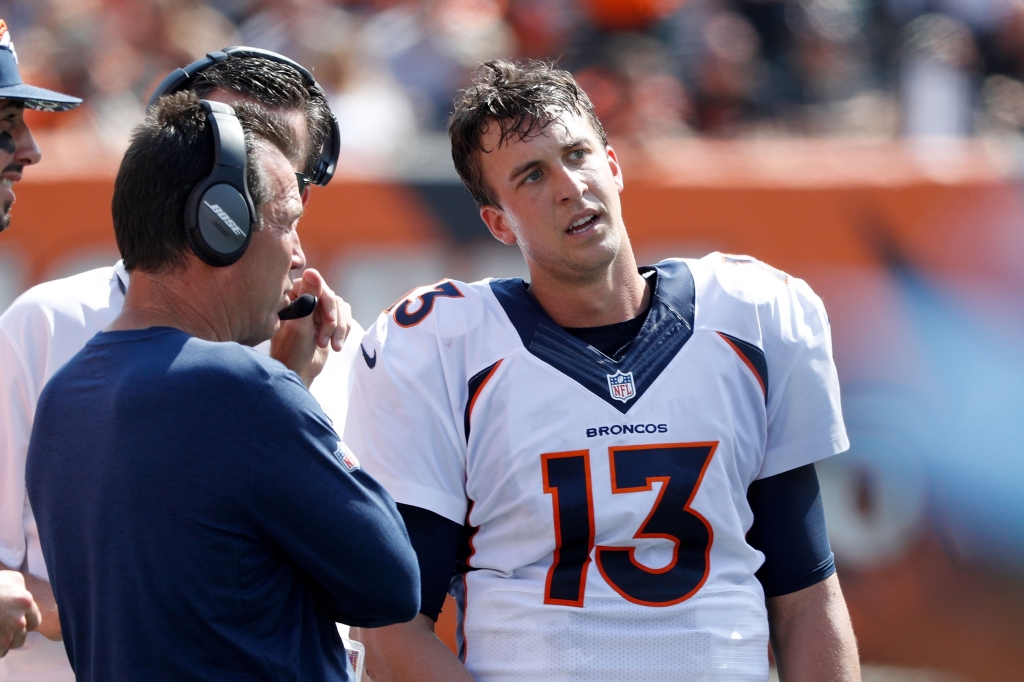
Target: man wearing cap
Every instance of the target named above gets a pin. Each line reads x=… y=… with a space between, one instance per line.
x=51 y=322
x=18 y=149
x=17 y=146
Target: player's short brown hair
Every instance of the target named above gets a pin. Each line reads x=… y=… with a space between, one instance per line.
x=170 y=152
x=523 y=98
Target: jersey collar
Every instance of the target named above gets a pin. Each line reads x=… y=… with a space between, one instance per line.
x=621 y=383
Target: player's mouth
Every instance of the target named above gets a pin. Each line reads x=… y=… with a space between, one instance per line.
x=583 y=223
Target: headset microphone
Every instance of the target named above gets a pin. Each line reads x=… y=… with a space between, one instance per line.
x=301 y=307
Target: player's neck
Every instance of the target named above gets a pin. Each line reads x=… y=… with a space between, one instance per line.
x=617 y=294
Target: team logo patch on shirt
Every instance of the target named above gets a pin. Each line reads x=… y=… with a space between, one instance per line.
x=345 y=456
x=621 y=386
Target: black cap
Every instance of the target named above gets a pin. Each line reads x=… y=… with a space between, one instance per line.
x=12 y=87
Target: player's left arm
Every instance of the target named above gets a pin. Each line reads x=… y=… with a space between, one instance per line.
x=811 y=635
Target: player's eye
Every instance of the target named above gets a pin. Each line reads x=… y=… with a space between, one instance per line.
x=532 y=177
x=577 y=154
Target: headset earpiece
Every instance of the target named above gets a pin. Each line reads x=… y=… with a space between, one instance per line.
x=219 y=213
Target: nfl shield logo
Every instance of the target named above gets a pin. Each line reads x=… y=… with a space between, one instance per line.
x=621 y=386
x=345 y=456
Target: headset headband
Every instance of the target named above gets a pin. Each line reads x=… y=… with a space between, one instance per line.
x=179 y=79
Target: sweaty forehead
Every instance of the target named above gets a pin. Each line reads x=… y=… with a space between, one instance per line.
x=561 y=126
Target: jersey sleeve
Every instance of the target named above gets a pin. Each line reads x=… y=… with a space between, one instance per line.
x=400 y=422
x=21 y=379
x=331 y=386
x=311 y=498
x=805 y=420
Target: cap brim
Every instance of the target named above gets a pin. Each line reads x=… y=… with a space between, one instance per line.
x=39 y=98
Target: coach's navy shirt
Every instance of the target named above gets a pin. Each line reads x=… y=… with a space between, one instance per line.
x=201 y=520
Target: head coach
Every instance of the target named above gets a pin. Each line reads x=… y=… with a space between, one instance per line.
x=199 y=517
x=48 y=324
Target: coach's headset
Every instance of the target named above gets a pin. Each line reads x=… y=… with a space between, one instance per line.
x=219 y=213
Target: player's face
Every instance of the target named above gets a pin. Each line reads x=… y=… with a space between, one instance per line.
x=559 y=198
x=262 y=280
x=17 y=150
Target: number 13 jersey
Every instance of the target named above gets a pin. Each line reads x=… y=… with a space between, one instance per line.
x=606 y=499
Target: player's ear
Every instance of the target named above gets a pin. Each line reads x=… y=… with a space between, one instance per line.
x=613 y=162
x=496 y=222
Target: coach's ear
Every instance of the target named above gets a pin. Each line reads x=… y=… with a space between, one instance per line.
x=496 y=222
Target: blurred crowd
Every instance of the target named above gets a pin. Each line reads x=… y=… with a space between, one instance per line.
x=717 y=68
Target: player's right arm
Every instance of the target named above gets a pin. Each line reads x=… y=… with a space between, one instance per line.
x=400 y=422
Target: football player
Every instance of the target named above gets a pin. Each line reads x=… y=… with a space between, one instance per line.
x=609 y=466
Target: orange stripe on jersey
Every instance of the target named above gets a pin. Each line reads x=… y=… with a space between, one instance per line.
x=747 y=360
x=463 y=599
x=476 y=386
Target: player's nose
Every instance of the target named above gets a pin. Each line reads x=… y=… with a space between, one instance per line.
x=570 y=184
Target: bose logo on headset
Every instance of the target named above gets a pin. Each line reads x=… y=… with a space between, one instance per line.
x=222 y=199
x=232 y=225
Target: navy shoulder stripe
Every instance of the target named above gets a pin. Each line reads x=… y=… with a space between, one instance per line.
x=476 y=383
x=753 y=358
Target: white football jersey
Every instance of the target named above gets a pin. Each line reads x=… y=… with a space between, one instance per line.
x=606 y=499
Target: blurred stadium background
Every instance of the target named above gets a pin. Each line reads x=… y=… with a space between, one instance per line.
x=872 y=147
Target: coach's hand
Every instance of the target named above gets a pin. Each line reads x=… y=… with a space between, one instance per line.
x=303 y=345
x=18 y=611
